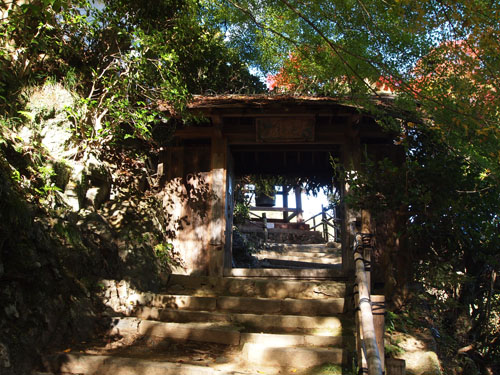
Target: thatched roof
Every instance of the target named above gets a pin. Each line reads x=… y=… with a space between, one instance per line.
x=222 y=103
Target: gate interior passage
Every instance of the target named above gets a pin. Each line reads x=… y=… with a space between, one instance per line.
x=243 y=135
x=301 y=160
x=277 y=234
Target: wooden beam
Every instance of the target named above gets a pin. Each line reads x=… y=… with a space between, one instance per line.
x=274 y=209
x=395 y=366
x=194 y=132
x=292 y=111
x=249 y=142
x=287 y=148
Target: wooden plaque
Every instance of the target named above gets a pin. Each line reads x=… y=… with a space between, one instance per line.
x=285 y=129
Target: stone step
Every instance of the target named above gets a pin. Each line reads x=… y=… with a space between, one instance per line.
x=280 y=235
x=333 y=257
x=253 y=305
x=293 y=357
x=293 y=340
x=215 y=332
x=312 y=248
x=293 y=264
x=78 y=363
x=247 y=322
x=288 y=273
x=257 y=287
x=222 y=333
x=298 y=258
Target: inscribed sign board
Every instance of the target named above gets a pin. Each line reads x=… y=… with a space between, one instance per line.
x=285 y=129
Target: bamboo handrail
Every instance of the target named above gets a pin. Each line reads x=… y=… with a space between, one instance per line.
x=321 y=223
x=330 y=224
x=317 y=225
x=255 y=215
x=312 y=217
x=363 y=304
x=325 y=221
x=332 y=217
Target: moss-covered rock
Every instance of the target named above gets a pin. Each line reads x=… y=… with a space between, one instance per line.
x=422 y=363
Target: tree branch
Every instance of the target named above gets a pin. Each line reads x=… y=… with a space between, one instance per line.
x=335 y=48
x=261 y=25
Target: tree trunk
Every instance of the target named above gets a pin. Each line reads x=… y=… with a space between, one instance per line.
x=392 y=260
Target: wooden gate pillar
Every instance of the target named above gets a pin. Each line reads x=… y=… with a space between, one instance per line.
x=217 y=215
x=351 y=161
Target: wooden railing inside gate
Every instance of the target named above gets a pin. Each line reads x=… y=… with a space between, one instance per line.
x=326 y=221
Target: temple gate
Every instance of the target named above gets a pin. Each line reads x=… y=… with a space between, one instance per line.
x=257 y=134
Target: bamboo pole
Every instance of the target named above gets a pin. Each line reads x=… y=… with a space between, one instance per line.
x=366 y=230
x=378 y=311
x=359 y=336
x=363 y=302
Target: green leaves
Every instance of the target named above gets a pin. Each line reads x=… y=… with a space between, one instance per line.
x=123 y=57
x=442 y=56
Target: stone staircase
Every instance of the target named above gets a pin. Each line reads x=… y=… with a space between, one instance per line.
x=230 y=325
x=305 y=256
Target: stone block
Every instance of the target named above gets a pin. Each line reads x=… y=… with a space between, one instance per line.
x=275 y=340
x=291 y=357
x=287 y=323
x=422 y=363
x=76 y=363
x=188 y=331
x=183 y=302
x=249 y=305
x=312 y=307
x=170 y=315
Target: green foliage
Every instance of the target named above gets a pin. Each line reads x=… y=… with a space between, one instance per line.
x=393 y=350
x=69 y=233
x=440 y=58
x=451 y=208
x=390 y=324
x=241 y=212
x=328 y=369
x=129 y=62
x=266 y=184
x=401 y=322
x=163 y=252
x=16 y=175
x=46 y=174
x=29 y=166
